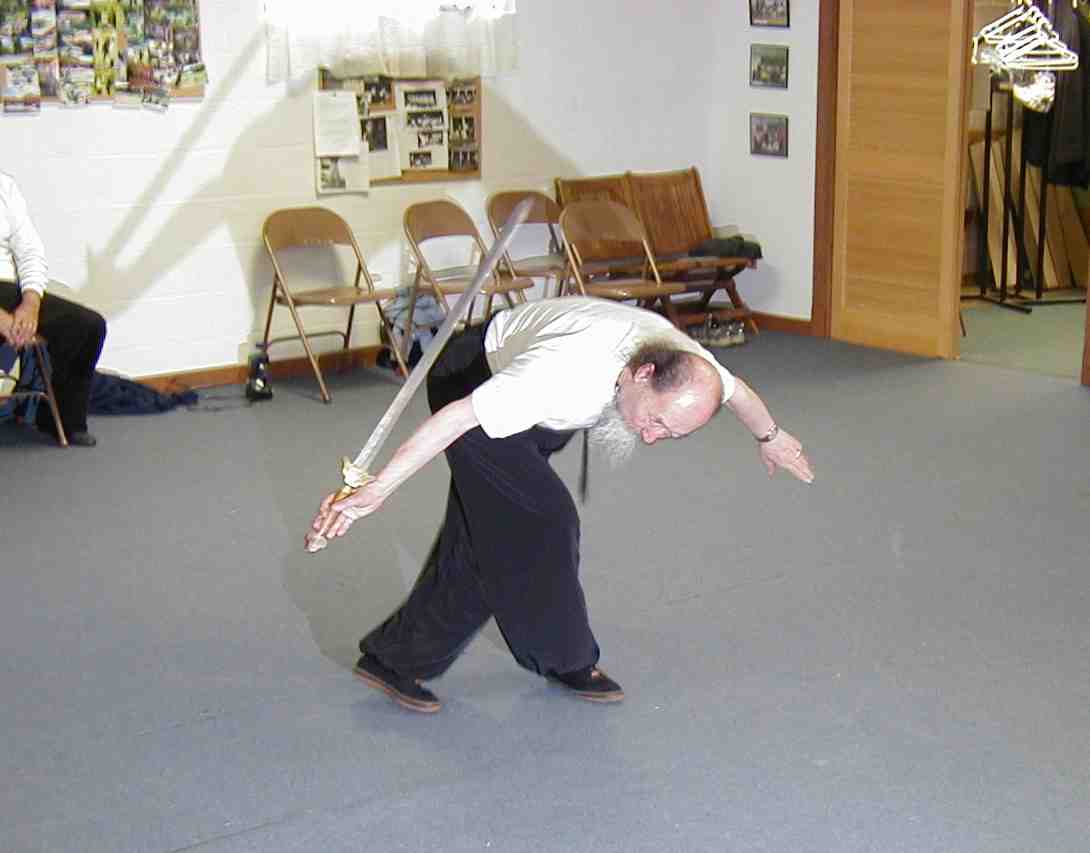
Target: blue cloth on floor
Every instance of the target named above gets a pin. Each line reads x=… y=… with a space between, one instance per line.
x=110 y=395
x=116 y=395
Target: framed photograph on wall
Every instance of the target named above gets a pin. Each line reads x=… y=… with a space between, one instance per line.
x=768 y=65
x=768 y=134
x=770 y=13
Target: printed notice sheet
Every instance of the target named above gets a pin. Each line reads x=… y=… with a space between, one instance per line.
x=336 y=125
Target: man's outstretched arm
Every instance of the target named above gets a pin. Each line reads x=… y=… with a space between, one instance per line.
x=431 y=438
x=778 y=448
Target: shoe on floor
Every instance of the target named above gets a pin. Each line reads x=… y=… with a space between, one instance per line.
x=407 y=692
x=590 y=683
x=82 y=438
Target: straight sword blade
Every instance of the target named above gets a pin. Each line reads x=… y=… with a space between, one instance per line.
x=420 y=372
x=355 y=473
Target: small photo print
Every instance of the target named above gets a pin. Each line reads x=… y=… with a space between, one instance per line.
x=76 y=84
x=768 y=66
x=427 y=138
x=462 y=129
x=379 y=91
x=419 y=159
x=464 y=160
x=22 y=93
x=462 y=95
x=374 y=131
x=420 y=99
x=329 y=174
x=155 y=98
x=427 y=120
x=192 y=76
x=768 y=134
x=769 y=13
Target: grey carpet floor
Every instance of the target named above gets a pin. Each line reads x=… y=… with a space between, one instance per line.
x=896 y=658
x=1049 y=340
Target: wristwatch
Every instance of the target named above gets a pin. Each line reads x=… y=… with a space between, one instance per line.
x=773 y=431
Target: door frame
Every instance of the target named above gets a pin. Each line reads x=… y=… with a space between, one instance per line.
x=825 y=167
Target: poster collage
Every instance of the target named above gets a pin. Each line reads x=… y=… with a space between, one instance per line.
x=137 y=53
x=406 y=127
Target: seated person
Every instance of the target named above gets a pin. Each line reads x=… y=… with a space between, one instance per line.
x=74 y=334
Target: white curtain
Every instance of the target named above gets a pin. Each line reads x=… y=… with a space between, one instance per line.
x=395 y=37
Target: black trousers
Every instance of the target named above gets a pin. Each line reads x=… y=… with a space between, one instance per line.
x=75 y=335
x=508 y=548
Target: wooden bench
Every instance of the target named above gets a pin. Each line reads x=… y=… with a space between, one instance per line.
x=673 y=211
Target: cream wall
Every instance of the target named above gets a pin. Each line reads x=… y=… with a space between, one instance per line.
x=155 y=218
x=772 y=198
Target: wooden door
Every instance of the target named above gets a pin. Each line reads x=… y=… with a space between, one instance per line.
x=900 y=174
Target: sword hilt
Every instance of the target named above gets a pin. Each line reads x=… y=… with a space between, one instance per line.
x=355 y=479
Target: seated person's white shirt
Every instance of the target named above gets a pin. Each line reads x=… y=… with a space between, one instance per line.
x=555 y=363
x=22 y=255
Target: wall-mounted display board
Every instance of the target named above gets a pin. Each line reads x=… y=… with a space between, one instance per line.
x=416 y=129
x=134 y=52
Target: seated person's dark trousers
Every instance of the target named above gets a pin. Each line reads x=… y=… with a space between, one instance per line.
x=508 y=548
x=74 y=337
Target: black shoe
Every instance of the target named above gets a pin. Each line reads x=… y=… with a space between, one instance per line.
x=407 y=692
x=82 y=438
x=590 y=683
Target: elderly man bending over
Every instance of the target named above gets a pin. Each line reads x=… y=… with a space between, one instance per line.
x=504 y=398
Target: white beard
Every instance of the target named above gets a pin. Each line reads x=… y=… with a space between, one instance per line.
x=614 y=438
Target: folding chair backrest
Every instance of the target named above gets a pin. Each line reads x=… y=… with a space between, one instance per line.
x=543 y=211
x=440 y=218
x=299 y=227
x=672 y=208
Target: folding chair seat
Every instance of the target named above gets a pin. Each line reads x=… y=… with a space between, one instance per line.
x=552 y=265
x=318 y=230
x=432 y=220
x=20 y=389
x=602 y=226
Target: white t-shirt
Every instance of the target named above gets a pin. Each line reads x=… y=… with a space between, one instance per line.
x=22 y=256
x=555 y=362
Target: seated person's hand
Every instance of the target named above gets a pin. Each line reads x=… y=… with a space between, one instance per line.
x=24 y=324
x=7 y=328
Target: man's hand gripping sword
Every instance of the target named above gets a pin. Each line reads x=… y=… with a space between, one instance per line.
x=354 y=472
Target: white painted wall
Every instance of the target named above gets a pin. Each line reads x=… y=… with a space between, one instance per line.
x=770 y=197
x=155 y=219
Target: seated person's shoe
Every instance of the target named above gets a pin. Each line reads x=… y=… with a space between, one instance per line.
x=407 y=692
x=590 y=683
x=82 y=438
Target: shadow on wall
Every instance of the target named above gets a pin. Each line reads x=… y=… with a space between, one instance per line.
x=342 y=594
x=107 y=282
x=515 y=157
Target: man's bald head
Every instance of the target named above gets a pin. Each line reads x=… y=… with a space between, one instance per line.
x=668 y=393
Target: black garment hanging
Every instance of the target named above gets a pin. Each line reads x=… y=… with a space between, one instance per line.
x=1069 y=118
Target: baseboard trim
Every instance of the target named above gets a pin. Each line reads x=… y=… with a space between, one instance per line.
x=237 y=374
x=791 y=325
x=333 y=362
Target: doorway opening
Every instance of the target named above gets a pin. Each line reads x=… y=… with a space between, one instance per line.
x=1027 y=220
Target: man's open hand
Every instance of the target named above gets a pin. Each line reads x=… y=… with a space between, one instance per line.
x=785 y=451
